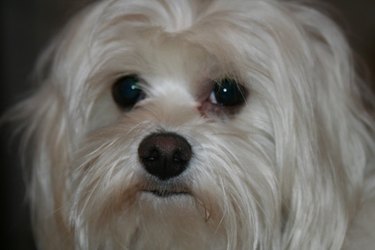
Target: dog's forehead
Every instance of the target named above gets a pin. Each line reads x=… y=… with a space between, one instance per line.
x=198 y=42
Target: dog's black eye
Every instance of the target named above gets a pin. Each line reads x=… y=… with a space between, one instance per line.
x=228 y=92
x=127 y=91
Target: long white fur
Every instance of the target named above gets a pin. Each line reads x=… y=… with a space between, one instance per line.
x=288 y=171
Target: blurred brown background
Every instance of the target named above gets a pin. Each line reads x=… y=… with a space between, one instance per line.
x=27 y=26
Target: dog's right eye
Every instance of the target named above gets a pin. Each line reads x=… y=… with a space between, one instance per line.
x=127 y=91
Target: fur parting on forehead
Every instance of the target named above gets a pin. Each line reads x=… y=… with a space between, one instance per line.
x=214 y=25
x=171 y=16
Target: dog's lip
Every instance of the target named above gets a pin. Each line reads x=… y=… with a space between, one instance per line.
x=165 y=193
x=174 y=187
x=167 y=189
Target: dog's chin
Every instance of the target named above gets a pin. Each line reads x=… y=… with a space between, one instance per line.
x=149 y=213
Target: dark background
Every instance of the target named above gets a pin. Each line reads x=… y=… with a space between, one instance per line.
x=28 y=25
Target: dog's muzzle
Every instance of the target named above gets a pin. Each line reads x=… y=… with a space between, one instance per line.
x=164 y=155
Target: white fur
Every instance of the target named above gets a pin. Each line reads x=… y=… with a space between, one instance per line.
x=287 y=171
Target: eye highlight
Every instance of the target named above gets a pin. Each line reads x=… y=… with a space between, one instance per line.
x=127 y=91
x=227 y=92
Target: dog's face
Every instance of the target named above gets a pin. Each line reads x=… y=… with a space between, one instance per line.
x=176 y=137
x=195 y=124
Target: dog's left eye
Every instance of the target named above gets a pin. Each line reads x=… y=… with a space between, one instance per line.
x=127 y=91
x=228 y=92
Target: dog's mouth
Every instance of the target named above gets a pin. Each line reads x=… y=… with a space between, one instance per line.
x=165 y=189
x=166 y=193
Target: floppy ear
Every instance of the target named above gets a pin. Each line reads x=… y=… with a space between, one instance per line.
x=42 y=124
x=344 y=129
x=333 y=153
x=47 y=123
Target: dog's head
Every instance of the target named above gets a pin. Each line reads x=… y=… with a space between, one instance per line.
x=196 y=124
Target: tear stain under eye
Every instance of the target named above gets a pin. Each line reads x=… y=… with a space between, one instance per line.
x=207 y=110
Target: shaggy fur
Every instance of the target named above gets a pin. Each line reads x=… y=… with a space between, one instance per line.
x=293 y=168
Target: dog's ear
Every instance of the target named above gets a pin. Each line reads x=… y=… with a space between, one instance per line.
x=336 y=148
x=43 y=130
x=39 y=126
x=344 y=125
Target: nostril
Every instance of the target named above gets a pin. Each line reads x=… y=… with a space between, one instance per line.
x=153 y=154
x=164 y=155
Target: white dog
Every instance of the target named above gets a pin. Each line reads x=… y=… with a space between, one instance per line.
x=199 y=124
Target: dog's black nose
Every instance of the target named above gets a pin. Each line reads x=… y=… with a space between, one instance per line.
x=164 y=155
